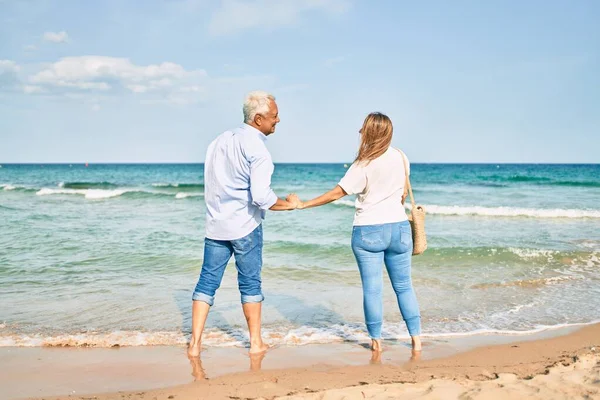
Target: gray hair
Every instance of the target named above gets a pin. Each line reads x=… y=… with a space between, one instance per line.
x=257 y=102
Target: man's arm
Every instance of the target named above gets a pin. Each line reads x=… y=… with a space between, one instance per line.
x=261 y=169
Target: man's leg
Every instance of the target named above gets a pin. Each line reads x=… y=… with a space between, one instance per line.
x=216 y=256
x=252 y=312
x=248 y=260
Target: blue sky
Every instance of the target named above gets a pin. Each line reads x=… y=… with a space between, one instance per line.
x=156 y=81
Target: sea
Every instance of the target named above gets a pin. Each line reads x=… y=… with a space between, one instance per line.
x=108 y=255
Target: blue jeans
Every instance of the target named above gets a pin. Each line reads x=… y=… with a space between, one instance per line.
x=374 y=245
x=248 y=261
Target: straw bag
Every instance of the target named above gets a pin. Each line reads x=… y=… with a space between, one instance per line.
x=416 y=218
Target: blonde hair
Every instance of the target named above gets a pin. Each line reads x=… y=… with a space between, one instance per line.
x=257 y=102
x=376 y=137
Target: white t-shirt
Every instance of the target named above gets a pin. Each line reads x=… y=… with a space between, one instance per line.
x=379 y=186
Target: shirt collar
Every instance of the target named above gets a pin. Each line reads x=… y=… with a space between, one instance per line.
x=252 y=129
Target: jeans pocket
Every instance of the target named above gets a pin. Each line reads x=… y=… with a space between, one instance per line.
x=249 y=241
x=406 y=235
x=371 y=236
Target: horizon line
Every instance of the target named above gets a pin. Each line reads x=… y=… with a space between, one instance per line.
x=294 y=163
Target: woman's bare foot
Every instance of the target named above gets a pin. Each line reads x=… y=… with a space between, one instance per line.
x=197 y=370
x=259 y=347
x=376 y=345
x=256 y=360
x=193 y=350
x=416 y=343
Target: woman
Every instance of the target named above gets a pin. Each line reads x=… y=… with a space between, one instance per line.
x=381 y=232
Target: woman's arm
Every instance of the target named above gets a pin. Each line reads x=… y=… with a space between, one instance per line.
x=326 y=198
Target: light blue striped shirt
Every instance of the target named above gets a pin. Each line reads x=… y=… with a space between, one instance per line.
x=237 y=183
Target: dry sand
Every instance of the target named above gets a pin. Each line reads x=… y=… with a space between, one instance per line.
x=561 y=367
x=579 y=380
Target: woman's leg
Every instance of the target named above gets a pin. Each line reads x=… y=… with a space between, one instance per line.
x=398 y=263
x=366 y=244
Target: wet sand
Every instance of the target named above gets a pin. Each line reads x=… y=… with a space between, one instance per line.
x=476 y=365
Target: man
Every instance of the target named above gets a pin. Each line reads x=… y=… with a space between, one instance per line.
x=237 y=181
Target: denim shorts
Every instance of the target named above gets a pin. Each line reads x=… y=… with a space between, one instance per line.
x=248 y=261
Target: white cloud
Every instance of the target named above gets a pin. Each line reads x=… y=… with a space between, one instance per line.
x=96 y=107
x=9 y=77
x=56 y=37
x=238 y=15
x=330 y=62
x=137 y=88
x=97 y=79
x=111 y=74
x=30 y=89
x=30 y=47
x=8 y=66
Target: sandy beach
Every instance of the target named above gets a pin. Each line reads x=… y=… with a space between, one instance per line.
x=565 y=365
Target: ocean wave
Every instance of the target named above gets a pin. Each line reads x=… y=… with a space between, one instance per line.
x=511 y=212
x=525 y=178
x=534 y=180
x=343 y=202
x=573 y=260
x=433 y=209
x=100 y=194
x=180 y=186
x=527 y=253
x=577 y=183
x=91 y=194
x=18 y=188
x=183 y=195
x=238 y=337
x=552 y=182
x=87 y=185
x=528 y=283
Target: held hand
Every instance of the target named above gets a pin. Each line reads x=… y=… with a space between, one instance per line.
x=295 y=200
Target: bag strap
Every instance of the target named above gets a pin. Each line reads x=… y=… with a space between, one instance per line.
x=412 y=199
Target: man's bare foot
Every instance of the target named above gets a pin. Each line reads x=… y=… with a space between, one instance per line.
x=257 y=348
x=376 y=345
x=375 y=357
x=193 y=350
x=416 y=343
x=415 y=355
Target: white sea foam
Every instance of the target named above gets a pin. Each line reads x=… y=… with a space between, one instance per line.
x=93 y=339
x=298 y=336
x=520 y=307
x=499 y=211
x=511 y=212
x=91 y=194
x=343 y=202
x=8 y=187
x=183 y=195
x=533 y=253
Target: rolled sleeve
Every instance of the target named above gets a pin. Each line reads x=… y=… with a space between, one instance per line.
x=261 y=169
x=355 y=180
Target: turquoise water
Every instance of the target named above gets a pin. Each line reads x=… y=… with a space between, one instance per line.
x=109 y=254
